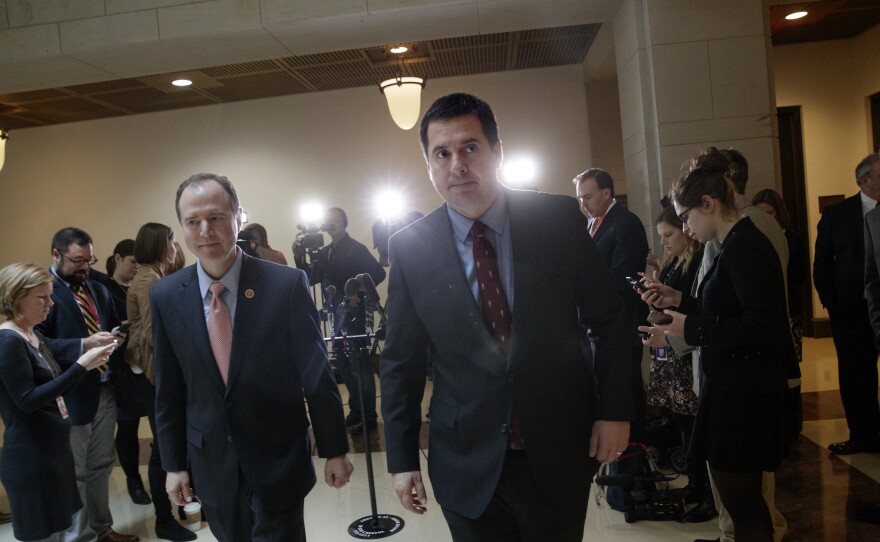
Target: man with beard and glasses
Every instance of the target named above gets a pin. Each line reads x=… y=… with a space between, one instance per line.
x=82 y=318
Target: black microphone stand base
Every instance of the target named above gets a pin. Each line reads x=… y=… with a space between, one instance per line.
x=378 y=526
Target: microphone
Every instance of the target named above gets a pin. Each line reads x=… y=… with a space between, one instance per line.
x=369 y=287
x=628 y=481
x=372 y=295
x=330 y=292
x=352 y=286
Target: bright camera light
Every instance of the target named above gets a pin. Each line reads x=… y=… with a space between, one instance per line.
x=388 y=204
x=312 y=213
x=796 y=15
x=519 y=171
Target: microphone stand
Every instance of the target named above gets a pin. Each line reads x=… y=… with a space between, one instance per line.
x=375 y=525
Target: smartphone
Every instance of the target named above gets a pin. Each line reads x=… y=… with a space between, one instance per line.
x=122 y=328
x=635 y=282
x=658 y=318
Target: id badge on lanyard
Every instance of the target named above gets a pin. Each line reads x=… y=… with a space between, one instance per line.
x=661 y=353
x=62 y=408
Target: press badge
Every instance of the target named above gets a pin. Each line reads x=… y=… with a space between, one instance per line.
x=62 y=408
x=661 y=353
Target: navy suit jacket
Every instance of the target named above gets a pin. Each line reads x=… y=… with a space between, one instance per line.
x=623 y=244
x=256 y=424
x=559 y=281
x=839 y=265
x=64 y=330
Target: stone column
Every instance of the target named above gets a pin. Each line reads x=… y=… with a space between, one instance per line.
x=692 y=73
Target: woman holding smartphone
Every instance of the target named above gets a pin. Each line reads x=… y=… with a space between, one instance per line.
x=740 y=322
x=155 y=251
x=36 y=466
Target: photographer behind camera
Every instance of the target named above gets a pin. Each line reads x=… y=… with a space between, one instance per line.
x=333 y=265
x=258 y=244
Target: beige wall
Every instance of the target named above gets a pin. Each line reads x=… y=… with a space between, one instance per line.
x=111 y=176
x=831 y=82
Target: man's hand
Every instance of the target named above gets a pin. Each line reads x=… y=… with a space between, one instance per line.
x=410 y=490
x=102 y=338
x=609 y=440
x=297 y=249
x=178 y=488
x=337 y=471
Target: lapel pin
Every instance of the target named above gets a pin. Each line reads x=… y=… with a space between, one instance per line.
x=249 y=293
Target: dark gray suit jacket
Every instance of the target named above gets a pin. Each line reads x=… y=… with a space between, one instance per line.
x=257 y=422
x=872 y=270
x=558 y=278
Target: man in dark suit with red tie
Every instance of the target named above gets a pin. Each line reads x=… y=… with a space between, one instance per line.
x=621 y=241
x=83 y=318
x=493 y=286
x=839 y=276
x=236 y=346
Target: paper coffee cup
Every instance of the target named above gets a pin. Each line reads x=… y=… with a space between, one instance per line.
x=193 y=511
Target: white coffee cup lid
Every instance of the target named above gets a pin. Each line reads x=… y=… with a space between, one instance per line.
x=191 y=507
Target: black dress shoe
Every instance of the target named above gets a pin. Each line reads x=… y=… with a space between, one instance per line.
x=702 y=512
x=137 y=492
x=852 y=446
x=358 y=430
x=351 y=421
x=169 y=529
x=871 y=515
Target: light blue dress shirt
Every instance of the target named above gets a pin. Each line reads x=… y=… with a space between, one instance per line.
x=497 y=223
x=230 y=280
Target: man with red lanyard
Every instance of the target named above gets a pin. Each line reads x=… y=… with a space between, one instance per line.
x=621 y=241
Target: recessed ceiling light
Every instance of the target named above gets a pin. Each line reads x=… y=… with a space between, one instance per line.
x=796 y=15
x=399 y=50
x=181 y=82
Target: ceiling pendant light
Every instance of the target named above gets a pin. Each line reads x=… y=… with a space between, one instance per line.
x=4 y=135
x=404 y=96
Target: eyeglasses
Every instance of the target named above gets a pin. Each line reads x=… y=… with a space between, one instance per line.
x=684 y=216
x=79 y=261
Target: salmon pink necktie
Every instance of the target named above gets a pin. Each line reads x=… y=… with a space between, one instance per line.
x=220 y=329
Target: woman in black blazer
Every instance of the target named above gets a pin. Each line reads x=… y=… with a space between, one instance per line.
x=740 y=322
x=37 y=464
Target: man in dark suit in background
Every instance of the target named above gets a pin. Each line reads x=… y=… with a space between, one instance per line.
x=343 y=259
x=622 y=242
x=839 y=275
x=519 y=420
x=236 y=344
x=83 y=318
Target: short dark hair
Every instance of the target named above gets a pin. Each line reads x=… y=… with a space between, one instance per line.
x=688 y=190
x=773 y=199
x=864 y=167
x=202 y=178
x=124 y=248
x=603 y=178
x=458 y=105
x=341 y=212
x=65 y=237
x=151 y=243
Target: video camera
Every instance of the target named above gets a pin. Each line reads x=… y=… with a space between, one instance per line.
x=310 y=236
x=244 y=242
x=642 y=500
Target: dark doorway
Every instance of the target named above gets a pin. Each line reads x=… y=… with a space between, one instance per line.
x=794 y=192
x=875 y=121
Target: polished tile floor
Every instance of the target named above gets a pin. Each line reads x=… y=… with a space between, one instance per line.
x=817 y=492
